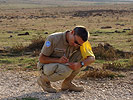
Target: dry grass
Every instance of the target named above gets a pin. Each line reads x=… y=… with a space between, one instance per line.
x=54 y=19
x=130 y=33
x=36 y=21
x=119 y=66
x=108 y=52
x=19 y=48
x=104 y=53
x=35 y=46
x=98 y=74
x=36 y=43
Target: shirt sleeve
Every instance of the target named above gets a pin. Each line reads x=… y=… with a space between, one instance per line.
x=86 y=50
x=48 y=46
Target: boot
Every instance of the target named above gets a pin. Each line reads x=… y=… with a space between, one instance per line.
x=45 y=84
x=71 y=87
x=68 y=85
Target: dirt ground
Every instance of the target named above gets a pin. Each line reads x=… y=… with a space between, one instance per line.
x=108 y=23
x=16 y=85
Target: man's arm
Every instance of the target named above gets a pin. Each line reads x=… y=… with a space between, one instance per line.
x=89 y=60
x=77 y=65
x=46 y=59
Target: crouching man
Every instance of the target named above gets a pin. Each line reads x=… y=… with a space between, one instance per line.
x=62 y=57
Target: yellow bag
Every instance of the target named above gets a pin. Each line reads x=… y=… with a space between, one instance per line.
x=86 y=50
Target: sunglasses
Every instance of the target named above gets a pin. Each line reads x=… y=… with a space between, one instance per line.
x=76 y=42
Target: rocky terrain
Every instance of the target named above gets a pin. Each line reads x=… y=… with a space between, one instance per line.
x=17 y=85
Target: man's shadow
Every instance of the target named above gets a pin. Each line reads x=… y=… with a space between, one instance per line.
x=37 y=96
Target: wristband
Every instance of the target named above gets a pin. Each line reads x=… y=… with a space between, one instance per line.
x=82 y=64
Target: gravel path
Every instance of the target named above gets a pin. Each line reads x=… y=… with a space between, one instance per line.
x=23 y=84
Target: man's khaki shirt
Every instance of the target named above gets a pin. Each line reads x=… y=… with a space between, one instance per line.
x=56 y=46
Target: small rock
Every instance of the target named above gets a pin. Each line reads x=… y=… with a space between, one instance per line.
x=117 y=31
x=26 y=33
x=123 y=31
x=129 y=40
x=106 y=27
x=122 y=25
x=11 y=36
x=45 y=32
x=127 y=29
x=9 y=32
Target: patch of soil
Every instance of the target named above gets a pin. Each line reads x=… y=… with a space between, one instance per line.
x=108 y=52
x=98 y=12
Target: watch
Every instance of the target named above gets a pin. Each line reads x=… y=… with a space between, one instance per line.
x=82 y=64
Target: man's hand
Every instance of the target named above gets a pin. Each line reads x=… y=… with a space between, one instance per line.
x=63 y=59
x=74 y=66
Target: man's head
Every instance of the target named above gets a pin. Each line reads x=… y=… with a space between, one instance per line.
x=81 y=32
x=78 y=36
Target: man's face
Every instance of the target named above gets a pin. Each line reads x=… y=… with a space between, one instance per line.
x=75 y=40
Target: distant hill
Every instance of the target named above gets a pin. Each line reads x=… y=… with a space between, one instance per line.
x=55 y=1
x=42 y=3
x=107 y=0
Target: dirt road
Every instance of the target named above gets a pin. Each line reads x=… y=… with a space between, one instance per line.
x=23 y=84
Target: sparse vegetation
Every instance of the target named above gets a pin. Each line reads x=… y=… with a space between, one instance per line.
x=34 y=47
x=100 y=74
x=108 y=52
x=36 y=43
x=19 y=48
x=24 y=25
x=111 y=27
x=124 y=65
x=130 y=32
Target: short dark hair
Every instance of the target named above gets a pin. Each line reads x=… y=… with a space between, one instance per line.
x=82 y=32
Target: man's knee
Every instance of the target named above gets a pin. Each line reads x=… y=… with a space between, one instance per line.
x=56 y=71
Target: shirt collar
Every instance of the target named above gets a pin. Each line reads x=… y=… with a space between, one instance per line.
x=64 y=38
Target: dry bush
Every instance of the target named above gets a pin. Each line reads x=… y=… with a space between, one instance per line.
x=117 y=66
x=131 y=62
x=130 y=32
x=108 y=52
x=105 y=52
x=98 y=74
x=35 y=46
x=19 y=48
x=36 y=53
